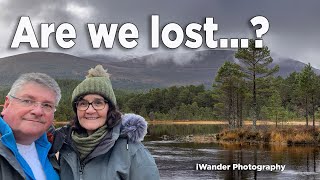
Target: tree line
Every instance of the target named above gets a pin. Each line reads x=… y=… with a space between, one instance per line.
x=249 y=89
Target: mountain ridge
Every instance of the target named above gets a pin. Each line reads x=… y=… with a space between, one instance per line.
x=155 y=70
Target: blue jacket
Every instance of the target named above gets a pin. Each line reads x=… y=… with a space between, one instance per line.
x=127 y=159
x=15 y=163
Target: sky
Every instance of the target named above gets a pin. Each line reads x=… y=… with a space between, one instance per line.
x=293 y=24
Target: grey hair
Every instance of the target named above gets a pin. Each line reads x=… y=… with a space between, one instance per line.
x=39 y=78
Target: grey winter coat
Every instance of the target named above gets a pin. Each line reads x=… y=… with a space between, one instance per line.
x=127 y=159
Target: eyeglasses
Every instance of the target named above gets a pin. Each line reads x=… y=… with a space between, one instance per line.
x=47 y=107
x=97 y=104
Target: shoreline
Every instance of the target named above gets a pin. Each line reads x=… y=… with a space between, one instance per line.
x=220 y=122
x=212 y=122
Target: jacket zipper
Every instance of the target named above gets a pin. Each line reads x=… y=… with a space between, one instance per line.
x=81 y=171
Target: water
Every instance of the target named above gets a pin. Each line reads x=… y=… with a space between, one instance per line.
x=177 y=161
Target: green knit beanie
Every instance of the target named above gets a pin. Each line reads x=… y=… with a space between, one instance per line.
x=97 y=82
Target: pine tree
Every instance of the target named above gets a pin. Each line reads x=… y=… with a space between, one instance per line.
x=229 y=91
x=308 y=86
x=255 y=63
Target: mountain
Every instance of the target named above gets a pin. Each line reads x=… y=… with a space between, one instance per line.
x=156 y=70
x=198 y=67
x=102 y=58
x=61 y=66
x=57 y=65
x=288 y=66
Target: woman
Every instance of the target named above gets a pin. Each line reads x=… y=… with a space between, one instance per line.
x=101 y=143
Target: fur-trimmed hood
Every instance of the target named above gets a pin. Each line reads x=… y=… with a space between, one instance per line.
x=134 y=127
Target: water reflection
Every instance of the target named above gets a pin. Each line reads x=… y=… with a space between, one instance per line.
x=178 y=160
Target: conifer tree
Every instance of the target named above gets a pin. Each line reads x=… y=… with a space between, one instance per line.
x=229 y=91
x=255 y=64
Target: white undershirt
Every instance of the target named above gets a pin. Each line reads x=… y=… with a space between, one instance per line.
x=30 y=154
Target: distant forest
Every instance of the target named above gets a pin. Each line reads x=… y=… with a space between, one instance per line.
x=244 y=90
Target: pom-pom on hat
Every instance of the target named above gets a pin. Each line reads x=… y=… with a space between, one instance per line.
x=97 y=82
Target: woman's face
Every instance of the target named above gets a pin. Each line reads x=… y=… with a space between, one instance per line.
x=95 y=116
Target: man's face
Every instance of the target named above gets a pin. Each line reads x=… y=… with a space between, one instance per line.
x=28 y=123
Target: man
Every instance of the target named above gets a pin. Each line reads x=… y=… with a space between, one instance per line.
x=27 y=114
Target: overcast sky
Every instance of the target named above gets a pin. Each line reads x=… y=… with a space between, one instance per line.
x=293 y=32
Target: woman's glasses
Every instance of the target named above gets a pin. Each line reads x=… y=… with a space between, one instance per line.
x=97 y=104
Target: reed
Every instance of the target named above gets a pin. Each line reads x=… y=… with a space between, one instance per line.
x=182 y=129
x=293 y=135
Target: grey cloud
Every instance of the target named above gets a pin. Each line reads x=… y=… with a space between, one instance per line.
x=293 y=32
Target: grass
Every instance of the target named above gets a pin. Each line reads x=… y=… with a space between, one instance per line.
x=182 y=129
x=290 y=135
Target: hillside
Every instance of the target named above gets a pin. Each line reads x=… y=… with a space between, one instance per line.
x=60 y=66
x=156 y=70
